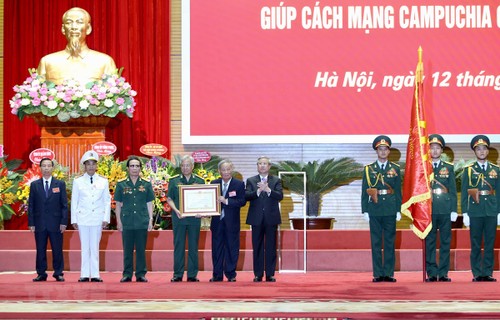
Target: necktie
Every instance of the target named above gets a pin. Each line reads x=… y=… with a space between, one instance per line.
x=382 y=166
x=435 y=165
x=91 y=181
x=224 y=190
x=484 y=167
x=46 y=189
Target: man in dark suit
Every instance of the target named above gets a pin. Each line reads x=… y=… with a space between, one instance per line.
x=444 y=211
x=264 y=193
x=47 y=218
x=226 y=227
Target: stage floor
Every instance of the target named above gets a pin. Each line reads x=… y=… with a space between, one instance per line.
x=346 y=295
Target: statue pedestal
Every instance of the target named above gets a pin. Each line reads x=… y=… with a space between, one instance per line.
x=69 y=140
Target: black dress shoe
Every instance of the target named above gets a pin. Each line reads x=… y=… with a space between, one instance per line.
x=213 y=279
x=431 y=279
x=40 y=278
x=96 y=280
x=389 y=279
x=378 y=279
x=126 y=279
x=192 y=279
x=477 y=279
x=176 y=279
x=270 y=279
x=141 y=279
x=257 y=279
x=489 y=279
x=231 y=279
x=84 y=280
x=59 y=278
x=444 y=279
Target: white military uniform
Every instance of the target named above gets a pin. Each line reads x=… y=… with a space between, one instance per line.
x=90 y=207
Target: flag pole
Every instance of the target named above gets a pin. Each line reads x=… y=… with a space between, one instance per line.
x=419 y=76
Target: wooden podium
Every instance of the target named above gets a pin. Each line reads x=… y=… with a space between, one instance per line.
x=69 y=140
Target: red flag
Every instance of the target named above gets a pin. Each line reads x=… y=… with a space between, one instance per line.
x=417 y=197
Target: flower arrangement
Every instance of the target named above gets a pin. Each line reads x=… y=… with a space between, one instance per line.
x=114 y=171
x=158 y=171
x=34 y=173
x=9 y=184
x=108 y=96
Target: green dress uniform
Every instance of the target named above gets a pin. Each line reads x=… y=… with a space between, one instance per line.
x=444 y=202
x=135 y=221
x=483 y=215
x=387 y=183
x=189 y=225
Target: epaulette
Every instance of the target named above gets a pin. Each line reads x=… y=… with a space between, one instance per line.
x=494 y=165
x=144 y=179
x=78 y=176
x=396 y=164
x=99 y=175
x=123 y=179
x=470 y=165
x=199 y=177
x=450 y=163
x=172 y=177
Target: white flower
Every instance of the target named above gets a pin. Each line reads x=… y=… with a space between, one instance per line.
x=84 y=104
x=52 y=104
x=108 y=103
x=25 y=102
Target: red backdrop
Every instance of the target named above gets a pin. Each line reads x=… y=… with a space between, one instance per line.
x=134 y=32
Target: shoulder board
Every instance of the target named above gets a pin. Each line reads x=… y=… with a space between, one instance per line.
x=100 y=175
x=371 y=164
x=450 y=163
x=78 y=176
x=198 y=177
x=394 y=163
x=494 y=165
x=145 y=180
x=122 y=179
x=470 y=165
x=176 y=176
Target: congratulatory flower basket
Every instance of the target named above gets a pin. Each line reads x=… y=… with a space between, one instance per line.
x=108 y=97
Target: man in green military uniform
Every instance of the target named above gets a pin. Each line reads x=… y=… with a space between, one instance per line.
x=134 y=216
x=381 y=205
x=182 y=225
x=481 y=208
x=444 y=211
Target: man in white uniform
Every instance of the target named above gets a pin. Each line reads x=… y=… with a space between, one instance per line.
x=90 y=212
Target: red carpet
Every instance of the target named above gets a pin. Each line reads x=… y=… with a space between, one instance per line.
x=315 y=294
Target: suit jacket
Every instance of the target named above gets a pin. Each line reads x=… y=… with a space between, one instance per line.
x=387 y=179
x=48 y=213
x=264 y=209
x=235 y=196
x=475 y=177
x=444 y=175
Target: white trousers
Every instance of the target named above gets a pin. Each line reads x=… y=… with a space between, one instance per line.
x=90 y=236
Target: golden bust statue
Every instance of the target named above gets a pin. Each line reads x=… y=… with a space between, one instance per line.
x=76 y=61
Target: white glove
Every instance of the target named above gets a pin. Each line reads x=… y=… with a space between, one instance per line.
x=398 y=216
x=466 y=219
x=453 y=216
x=366 y=216
x=498 y=220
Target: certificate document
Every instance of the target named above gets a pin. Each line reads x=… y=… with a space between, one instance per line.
x=199 y=199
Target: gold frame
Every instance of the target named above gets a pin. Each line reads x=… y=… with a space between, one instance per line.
x=191 y=205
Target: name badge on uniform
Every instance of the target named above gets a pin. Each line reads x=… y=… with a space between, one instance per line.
x=55 y=190
x=232 y=193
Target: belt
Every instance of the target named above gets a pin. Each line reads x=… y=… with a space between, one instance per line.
x=439 y=191
x=486 y=192
x=384 y=191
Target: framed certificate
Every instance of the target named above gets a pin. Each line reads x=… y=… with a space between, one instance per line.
x=199 y=199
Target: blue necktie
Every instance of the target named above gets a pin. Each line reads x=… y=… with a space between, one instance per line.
x=224 y=190
x=46 y=189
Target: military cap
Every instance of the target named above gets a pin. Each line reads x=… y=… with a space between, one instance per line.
x=436 y=138
x=89 y=155
x=479 y=140
x=381 y=141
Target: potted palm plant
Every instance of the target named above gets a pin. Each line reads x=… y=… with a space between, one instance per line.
x=322 y=178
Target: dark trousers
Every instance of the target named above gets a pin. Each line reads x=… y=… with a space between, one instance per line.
x=264 y=249
x=482 y=227
x=383 y=233
x=225 y=250
x=193 y=234
x=442 y=223
x=134 y=239
x=56 y=242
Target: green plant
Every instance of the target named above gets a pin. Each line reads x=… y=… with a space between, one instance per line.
x=322 y=177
